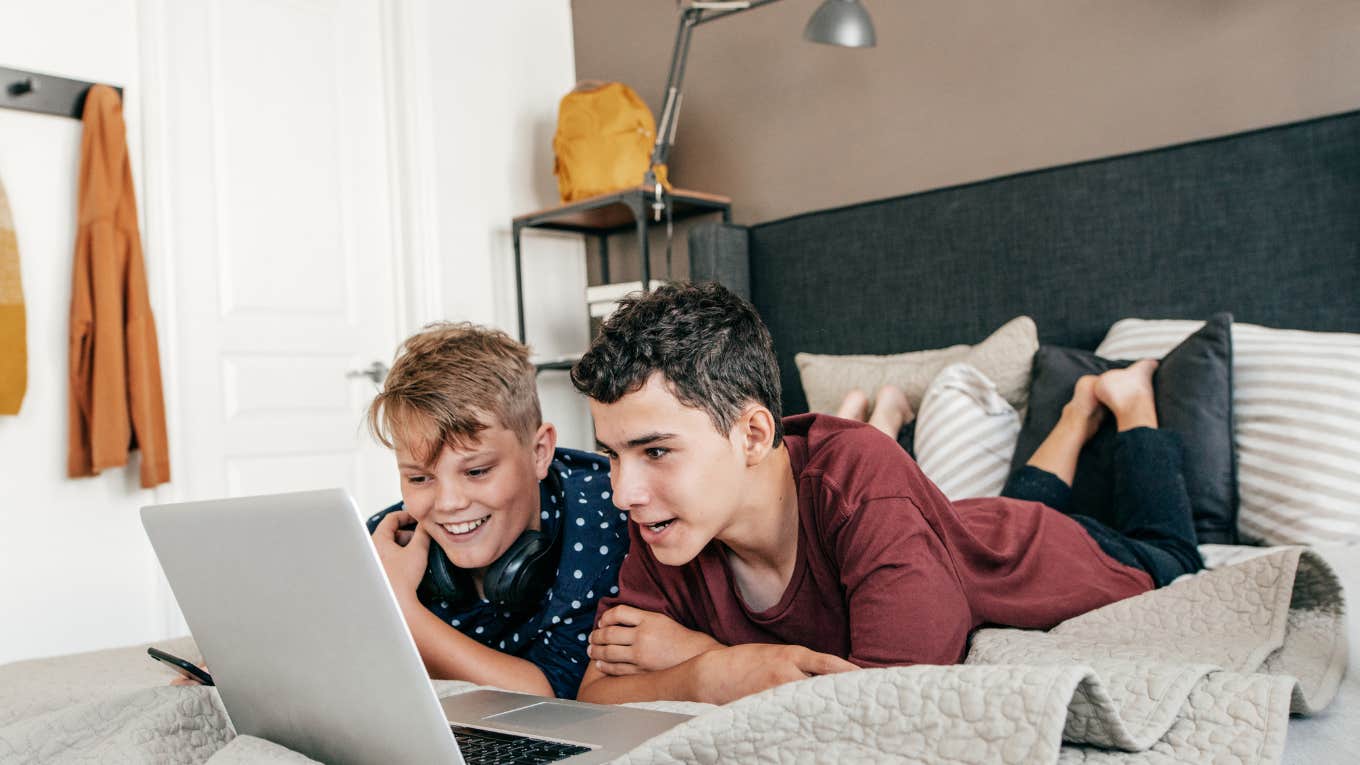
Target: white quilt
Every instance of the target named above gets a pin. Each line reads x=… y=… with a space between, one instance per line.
x=1205 y=670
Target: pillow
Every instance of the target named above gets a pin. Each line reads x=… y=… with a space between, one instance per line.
x=965 y=434
x=1193 y=388
x=1296 y=397
x=1004 y=357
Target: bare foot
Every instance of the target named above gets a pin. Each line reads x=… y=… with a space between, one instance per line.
x=1080 y=419
x=855 y=406
x=1085 y=408
x=1128 y=394
x=891 y=410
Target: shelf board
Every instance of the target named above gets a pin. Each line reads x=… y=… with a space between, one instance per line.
x=557 y=362
x=608 y=212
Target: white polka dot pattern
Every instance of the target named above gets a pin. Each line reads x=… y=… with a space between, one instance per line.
x=590 y=559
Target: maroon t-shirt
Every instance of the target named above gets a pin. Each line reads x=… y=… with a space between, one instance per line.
x=889 y=571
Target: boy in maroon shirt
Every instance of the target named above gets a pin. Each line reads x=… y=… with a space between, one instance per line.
x=767 y=551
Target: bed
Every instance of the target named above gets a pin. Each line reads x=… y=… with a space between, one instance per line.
x=1102 y=692
x=1263 y=224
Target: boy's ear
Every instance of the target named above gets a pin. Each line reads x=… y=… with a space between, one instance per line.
x=755 y=429
x=545 y=442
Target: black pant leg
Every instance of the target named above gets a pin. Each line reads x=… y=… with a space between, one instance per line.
x=1151 y=505
x=1034 y=484
x=1153 y=525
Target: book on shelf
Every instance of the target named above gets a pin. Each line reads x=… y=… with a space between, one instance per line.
x=604 y=298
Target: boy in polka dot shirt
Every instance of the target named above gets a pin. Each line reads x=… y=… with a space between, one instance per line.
x=478 y=469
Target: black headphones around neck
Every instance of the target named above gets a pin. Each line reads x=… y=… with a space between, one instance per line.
x=515 y=581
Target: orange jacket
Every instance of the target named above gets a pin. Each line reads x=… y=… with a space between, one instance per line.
x=115 y=402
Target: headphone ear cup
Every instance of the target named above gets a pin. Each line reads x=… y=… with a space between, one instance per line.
x=441 y=577
x=520 y=577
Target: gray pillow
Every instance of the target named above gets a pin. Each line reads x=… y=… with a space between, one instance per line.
x=1194 y=400
x=1004 y=358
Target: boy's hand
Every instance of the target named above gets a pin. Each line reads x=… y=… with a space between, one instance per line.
x=404 y=554
x=628 y=640
x=186 y=680
x=730 y=673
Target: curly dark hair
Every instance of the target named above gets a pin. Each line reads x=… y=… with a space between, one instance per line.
x=711 y=347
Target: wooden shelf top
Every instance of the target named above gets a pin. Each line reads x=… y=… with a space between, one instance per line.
x=609 y=212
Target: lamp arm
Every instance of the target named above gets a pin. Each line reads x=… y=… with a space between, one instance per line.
x=722 y=14
x=692 y=16
x=671 y=95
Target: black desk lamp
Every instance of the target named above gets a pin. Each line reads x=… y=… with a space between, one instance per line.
x=837 y=22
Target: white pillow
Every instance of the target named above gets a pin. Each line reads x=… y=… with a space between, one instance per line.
x=1006 y=357
x=965 y=434
x=1296 y=406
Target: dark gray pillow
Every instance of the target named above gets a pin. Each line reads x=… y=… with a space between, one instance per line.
x=1194 y=400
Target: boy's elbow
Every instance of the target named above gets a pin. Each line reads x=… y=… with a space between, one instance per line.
x=524 y=679
x=600 y=688
x=590 y=690
x=674 y=684
x=541 y=687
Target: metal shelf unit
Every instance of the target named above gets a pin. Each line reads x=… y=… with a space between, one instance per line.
x=608 y=214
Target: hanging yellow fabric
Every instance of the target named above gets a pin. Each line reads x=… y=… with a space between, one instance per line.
x=603 y=142
x=13 y=323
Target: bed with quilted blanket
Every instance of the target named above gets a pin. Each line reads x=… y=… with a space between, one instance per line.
x=1209 y=669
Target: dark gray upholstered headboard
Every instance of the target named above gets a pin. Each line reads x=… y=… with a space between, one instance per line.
x=1264 y=224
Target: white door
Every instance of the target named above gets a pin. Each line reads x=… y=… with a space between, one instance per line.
x=278 y=226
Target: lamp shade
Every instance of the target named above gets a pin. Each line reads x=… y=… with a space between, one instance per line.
x=841 y=22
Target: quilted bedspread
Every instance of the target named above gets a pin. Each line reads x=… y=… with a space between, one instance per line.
x=1208 y=669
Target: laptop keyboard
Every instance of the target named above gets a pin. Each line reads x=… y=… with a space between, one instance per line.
x=484 y=747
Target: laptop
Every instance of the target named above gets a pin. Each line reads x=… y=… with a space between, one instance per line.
x=293 y=614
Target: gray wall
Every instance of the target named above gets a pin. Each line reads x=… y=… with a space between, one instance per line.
x=960 y=90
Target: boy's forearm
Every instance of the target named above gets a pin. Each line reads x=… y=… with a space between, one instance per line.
x=450 y=655
x=679 y=683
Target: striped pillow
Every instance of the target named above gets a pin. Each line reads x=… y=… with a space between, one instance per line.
x=1296 y=399
x=965 y=434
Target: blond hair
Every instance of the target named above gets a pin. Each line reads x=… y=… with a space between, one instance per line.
x=449 y=382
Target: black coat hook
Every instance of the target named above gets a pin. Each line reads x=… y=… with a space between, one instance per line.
x=43 y=93
x=20 y=87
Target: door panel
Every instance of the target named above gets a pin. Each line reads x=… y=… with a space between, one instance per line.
x=281 y=234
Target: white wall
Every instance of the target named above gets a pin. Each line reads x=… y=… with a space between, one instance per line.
x=497 y=71
x=471 y=112
x=76 y=571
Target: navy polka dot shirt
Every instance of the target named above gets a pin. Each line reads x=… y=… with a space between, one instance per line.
x=594 y=538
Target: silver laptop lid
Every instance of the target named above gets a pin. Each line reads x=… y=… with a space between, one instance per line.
x=289 y=605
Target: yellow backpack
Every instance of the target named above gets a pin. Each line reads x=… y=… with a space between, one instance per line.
x=603 y=142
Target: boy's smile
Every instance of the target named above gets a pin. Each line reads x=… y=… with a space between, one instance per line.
x=474 y=501
x=464 y=533
x=463 y=529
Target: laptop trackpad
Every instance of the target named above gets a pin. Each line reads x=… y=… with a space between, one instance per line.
x=546 y=715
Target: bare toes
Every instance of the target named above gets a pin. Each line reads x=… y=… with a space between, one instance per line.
x=1084 y=393
x=1120 y=388
x=1145 y=366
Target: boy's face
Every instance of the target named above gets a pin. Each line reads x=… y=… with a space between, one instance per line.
x=678 y=478
x=475 y=501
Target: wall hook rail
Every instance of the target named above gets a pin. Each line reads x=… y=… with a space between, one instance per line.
x=43 y=93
